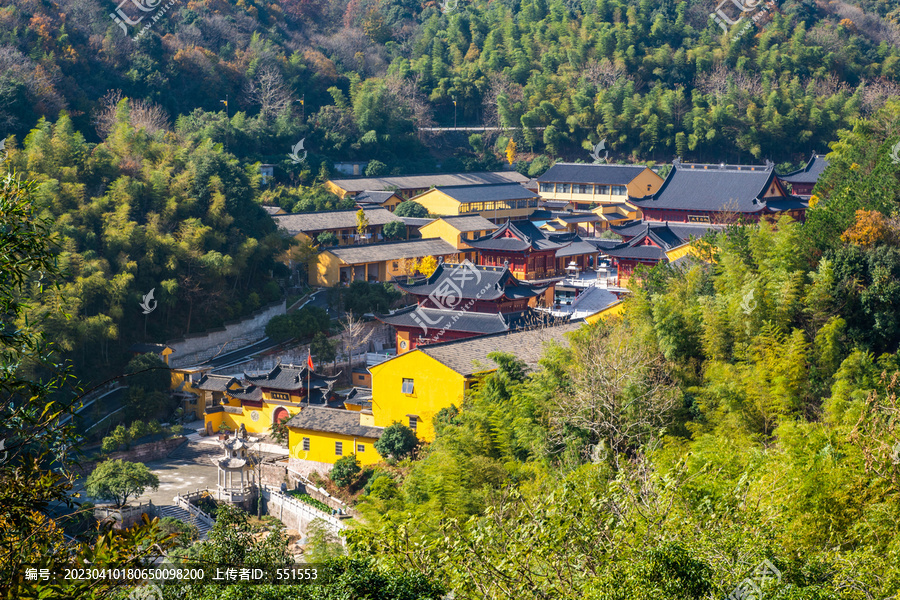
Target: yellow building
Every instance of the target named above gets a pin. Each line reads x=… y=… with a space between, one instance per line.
x=586 y=185
x=374 y=262
x=456 y=230
x=495 y=202
x=259 y=401
x=414 y=386
x=320 y=436
x=616 y=308
x=371 y=199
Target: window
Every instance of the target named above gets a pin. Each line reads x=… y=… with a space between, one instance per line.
x=306 y=444
x=408 y=386
x=601 y=189
x=546 y=187
x=619 y=190
x=280 y=396
x=360 y=448
x=413 y=420
x=395 y=265
x=339 y=448
x=583 y=189
x=564 y=188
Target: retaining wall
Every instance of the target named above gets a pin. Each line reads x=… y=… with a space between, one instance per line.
x=298 y=515
x=198 y=347
x=143 y=453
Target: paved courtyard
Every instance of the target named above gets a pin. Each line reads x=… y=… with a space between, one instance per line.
x=188 y=469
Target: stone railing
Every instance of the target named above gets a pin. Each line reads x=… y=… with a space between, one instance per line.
x=125 y=516
x=196 y=514
x=296 y=514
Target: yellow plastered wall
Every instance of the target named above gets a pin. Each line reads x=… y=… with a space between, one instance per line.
x=262 y=424
x=335 y=189
x=326 y=270
x=647 y=182
x=438 y=203
x=616 y=308
x=322 y=446
x=442 y=229
x=436 y=386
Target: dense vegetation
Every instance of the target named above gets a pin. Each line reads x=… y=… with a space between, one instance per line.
x=739 y=411
x=654 y=79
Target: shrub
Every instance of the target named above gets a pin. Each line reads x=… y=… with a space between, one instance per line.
x=345 y=469
x=397 y=441
x=411 y=208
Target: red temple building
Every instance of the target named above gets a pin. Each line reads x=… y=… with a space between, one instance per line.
x=464 y=300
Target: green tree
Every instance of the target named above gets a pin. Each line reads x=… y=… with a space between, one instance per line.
x=397 y=441
x=118 y=481
x=323 y=349
x=362 y=223
x=411 y=208
x=345 y=470
x=376 y=168
x=395 y=230
x=327 y=239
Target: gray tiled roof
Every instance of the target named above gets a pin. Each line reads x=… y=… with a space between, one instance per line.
x=412 y=182
x=683 y=231
x=215 y=383
x=577 y=247
x=464 y=321
x=355 y=255
x=591 y=173
x=333 y=219
x=416 y=221
x=333 y=420
x=487 y=193
x=271 y=210
x=469 y=223
x=810 y=173
x=468 y=281
x=470 y=356
x=373 y=197
x=290 y=377
x=736 y=188
x=519 y=236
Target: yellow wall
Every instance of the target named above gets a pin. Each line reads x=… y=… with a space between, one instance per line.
x=613 y=309
x=646 y=183
x=321 y=446
x=450 y=234
x=439 y=203
x=263 y=423
x=334 y=189
x=435 y=387
x=326 y=270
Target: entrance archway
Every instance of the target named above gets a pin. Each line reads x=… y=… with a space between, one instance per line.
x=279 y=414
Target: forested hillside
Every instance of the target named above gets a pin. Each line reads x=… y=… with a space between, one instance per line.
x=739 y=411
x=655 y=79
x=138 y=212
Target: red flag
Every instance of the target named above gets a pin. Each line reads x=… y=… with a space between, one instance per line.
x=309 y=361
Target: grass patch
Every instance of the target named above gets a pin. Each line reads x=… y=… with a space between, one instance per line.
x=311 y=501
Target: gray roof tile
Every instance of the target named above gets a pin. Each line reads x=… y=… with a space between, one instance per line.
x=487 y=193
x=591 y=173
x=408 y=182
x=333 y=420
x=355 y=255
x=334 y=219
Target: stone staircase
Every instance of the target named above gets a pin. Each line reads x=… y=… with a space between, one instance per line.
x=182 y=514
